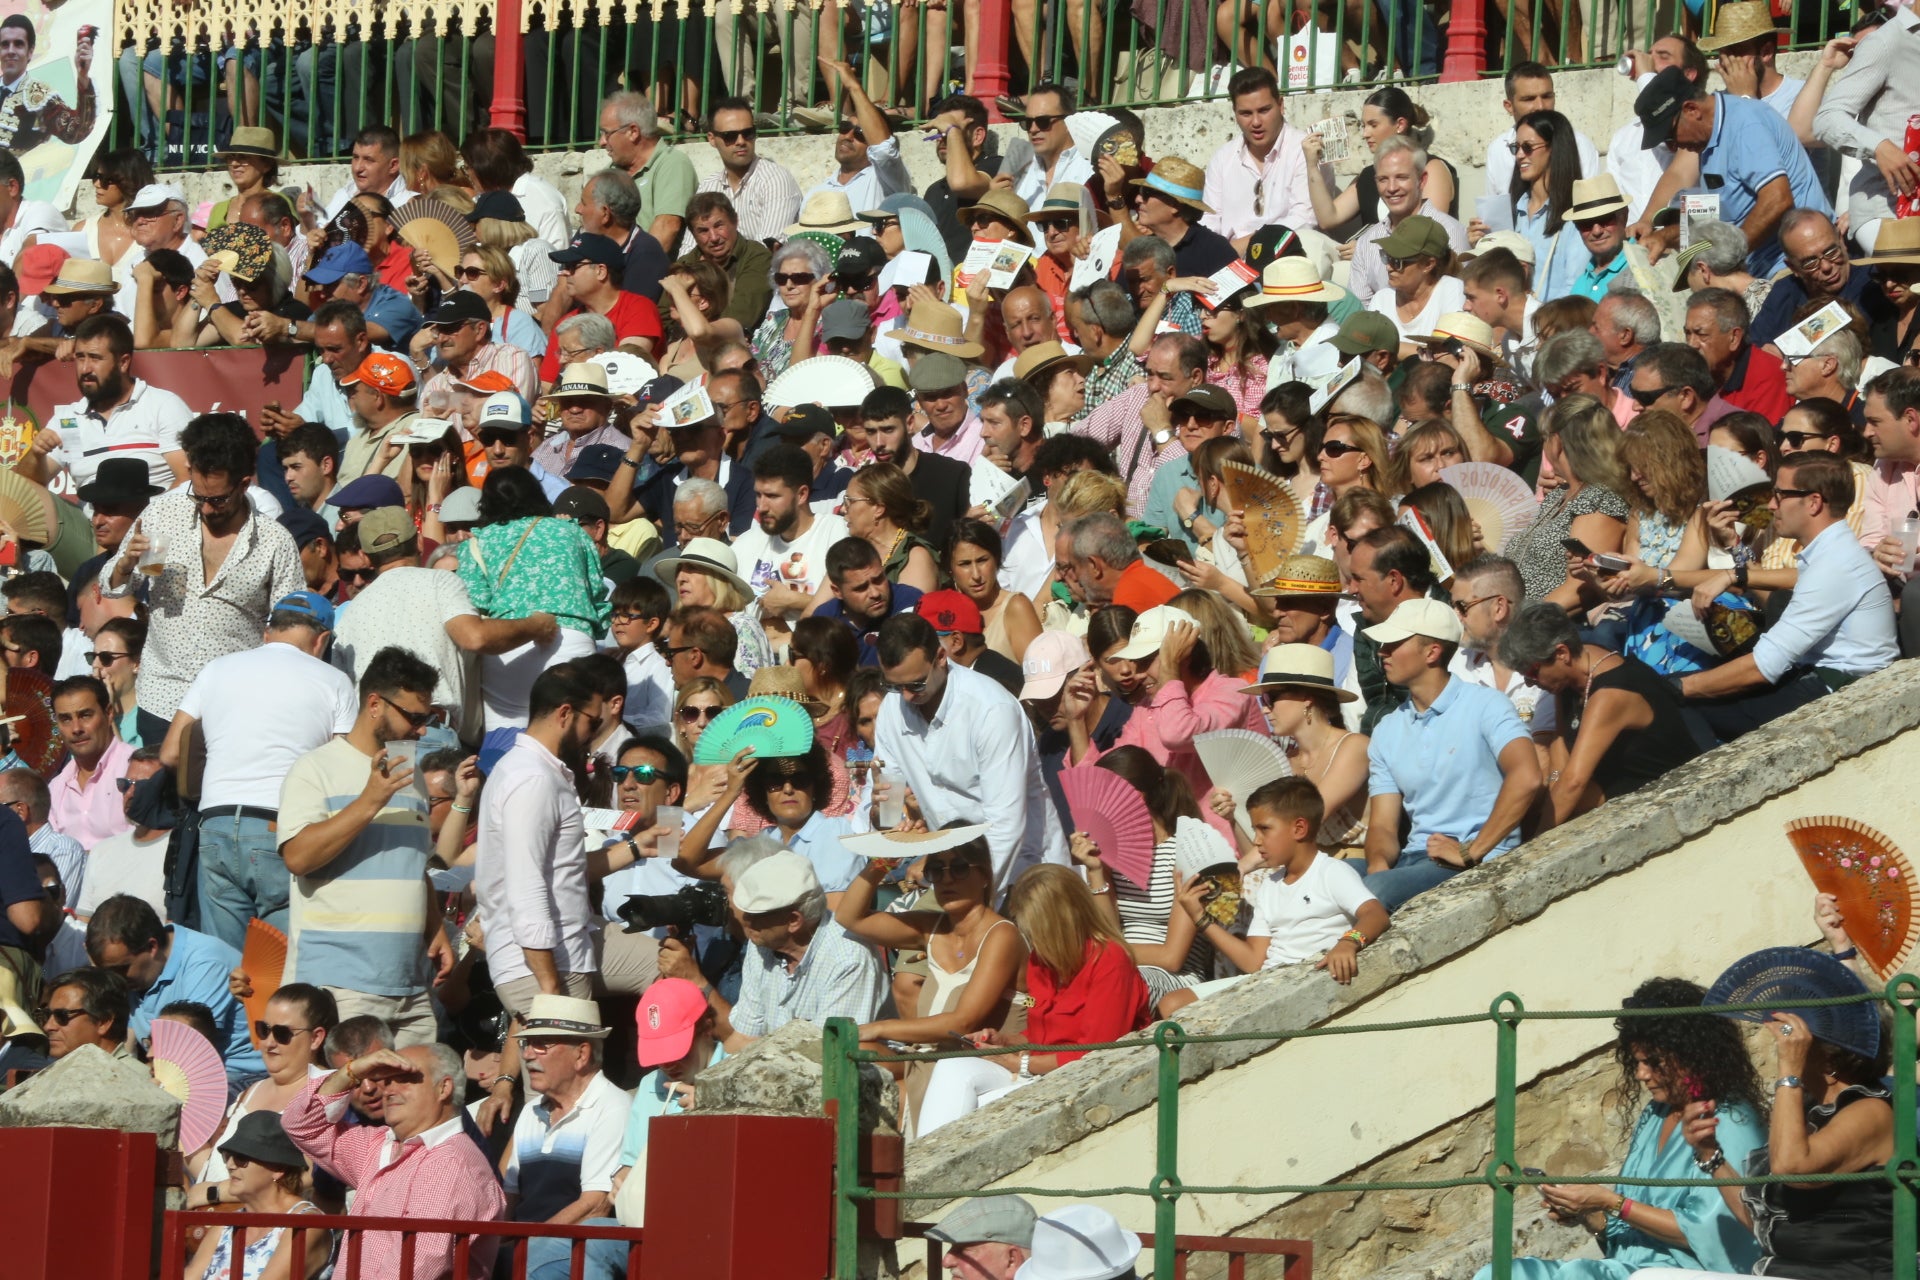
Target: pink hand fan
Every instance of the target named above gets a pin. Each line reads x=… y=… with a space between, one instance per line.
x=1114 y=816
x=186 y=1065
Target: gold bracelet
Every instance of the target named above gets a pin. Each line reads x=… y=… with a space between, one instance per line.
x=353 y=1081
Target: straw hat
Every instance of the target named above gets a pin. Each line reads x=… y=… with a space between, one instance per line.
x=253 y=143
x=1177 y=180
x=1303 y=576
x=1063 y=199
x=1298 y=666
x=828 y=211
x=1293 y=280
x=1898 y=241
x=784 y=682
x=708 y=555
x=1465 y=328
x=1595 y=198
x=1039 y=361
x=585 y=380
x=932 y=325
x=86 y=276
x=1738 y=23
x=1001 y=204
x=563 y=1017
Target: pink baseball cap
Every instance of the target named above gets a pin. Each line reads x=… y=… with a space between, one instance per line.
x=669 y=1011
x=1051 y=658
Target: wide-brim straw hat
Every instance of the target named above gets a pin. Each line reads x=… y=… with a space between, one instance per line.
x=708 y=555
x=1001 y=204
x=1595 y=198
x=1292 y=280
x=1298 y=666
x=1738 y=23
x=251 y=142
x=1465 y=328
x=1302 y=575
x=784 y=682
x=1177 y=180
x=1038 y=362
x=1898 y=241
x=827 y=211
x=563 y=1017
x=932 y=325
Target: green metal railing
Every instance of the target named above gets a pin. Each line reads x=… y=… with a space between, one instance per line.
x=842 y=1059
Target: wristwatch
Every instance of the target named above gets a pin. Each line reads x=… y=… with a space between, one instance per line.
x=1787 y=1082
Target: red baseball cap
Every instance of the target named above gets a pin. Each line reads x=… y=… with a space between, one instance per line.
x=384 y=372
x=37 y=266
x=669 y=1012
x=951 y=610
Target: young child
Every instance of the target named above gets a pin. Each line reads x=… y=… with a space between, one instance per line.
x=640 y=609
x=1309 y=905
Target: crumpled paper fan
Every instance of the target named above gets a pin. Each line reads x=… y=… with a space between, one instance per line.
x=186 y=1065
x=264 y=958
x=1273 y=517
x=626 y=372
x=1240 y=762
x=1873 y=881
x=1198 y=847
x=1085 y=128
x=833 y=381
x=1499 y=501
x=1106 y=809
x=771 y=726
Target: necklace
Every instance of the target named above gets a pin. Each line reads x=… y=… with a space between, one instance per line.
x=893 y=546
x=1593 y=669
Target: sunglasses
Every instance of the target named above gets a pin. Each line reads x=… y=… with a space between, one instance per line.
x=1339 y=449
x=731 y=136
x=1050 y=225
x=881 y=224
x=214 y=500
x=947 y=868
x=1464 y=607
x=641 y=773
x=786 y=778
x=101 y=658
x=1042 y=123
x=277 y=1033
x=912 y=686
x=705 y=714
x=848 y=126
x=125 y=784
x=1401 y=264
x=357 y=575
x=670 y=651
x=785 y=278
x=1797 y=440
x=60 y=1017
x=1781 y=495
x=417 y=719
x=1526 y=148
x=1646 y=398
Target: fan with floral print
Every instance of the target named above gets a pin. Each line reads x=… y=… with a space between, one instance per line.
x=1872 y=881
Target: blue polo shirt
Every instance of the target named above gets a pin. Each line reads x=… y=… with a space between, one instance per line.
x=393 y=311
x=197 y=969
x=1558 y=257
x=1751 y=145
x=904 y=598
x=1595 y=281
x=1444 y=762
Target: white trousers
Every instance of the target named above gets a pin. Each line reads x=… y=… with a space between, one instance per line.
x=957 y=1087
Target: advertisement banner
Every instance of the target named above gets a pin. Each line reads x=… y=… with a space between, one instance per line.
x=56 y=90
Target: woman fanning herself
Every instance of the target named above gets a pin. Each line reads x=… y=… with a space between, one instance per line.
x=1084 y=986
x=1689 y=1069
x=292 y=1037
x=1290 y=445
x=788 y=792
x=1297 y=688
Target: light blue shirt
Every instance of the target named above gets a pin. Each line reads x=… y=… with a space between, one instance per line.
x=1841 y=614
x=196 y=970
x=651 y=1099
x=325 y=402
x=1558 y=258
x=523 y=331
x=550 y=484
x=1444 y=762
x=393 y=311
x=1339 y=643
x=1750 y=146
x=819 y=842
x=1168 y=480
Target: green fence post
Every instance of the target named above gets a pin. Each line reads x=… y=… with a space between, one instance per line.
x=1166 y=1154
x=1904 y=1168
x=1507 y=1028
x=840 y=1085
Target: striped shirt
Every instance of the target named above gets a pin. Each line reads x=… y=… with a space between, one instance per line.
x=359 y=922
x=839 y=977
x=766 y=202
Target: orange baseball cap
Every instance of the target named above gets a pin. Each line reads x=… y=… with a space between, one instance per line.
x=487 y=383
x=385 y=373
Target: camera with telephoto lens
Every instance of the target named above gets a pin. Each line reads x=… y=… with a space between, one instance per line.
x=695 y=904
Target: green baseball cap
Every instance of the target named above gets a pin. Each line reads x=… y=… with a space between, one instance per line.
x=1415 y=237
x=1365 y=331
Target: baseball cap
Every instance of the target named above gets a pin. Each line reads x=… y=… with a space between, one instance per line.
x=1211 y=400
x=657 y=390
x=846 y=318
x=1273 y=241
x=368 y=492
x=986 y=1220
x=936 y=371
x=459 y=308
x=860 y=256
x=581 y=503
x=386 y=529
x=805 y=421
x=308 y=604
x=664 y=1024
x=595 y=463
x=1658 y=106
x=775 y=882
x=155 y=194
x=503 y=206
x=303 y=525
x=347 y=259
x=1416 y=236
x=1365 y=331
x=1150 y=631
x=588 y=247
x=1512 y=241
x=503 y=409
x=1422 y=617
x=384 y=372
x=1051 y=658
x=486 y=382
x=951 y=610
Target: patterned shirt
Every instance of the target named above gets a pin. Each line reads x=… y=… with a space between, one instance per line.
x=557 y=452
x=537 y=564
x=1107 y=379
x=767 y=201
x=839 y=977
x=1119 y=425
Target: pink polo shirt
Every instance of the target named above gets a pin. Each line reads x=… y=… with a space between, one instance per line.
x=92 y=813
x=1893 y=494
x=963 y=445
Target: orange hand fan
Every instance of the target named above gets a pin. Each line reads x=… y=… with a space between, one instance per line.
x=1872 y=880
x=1272 y=515
x=264 y=960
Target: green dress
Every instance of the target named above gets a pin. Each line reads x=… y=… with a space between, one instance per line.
x=896 y=562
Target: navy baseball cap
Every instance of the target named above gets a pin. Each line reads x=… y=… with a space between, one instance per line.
x=309 y=604
x=588 y=247
x=368 y=492
x=596 y=463
x=306 y=526
x=657 y=390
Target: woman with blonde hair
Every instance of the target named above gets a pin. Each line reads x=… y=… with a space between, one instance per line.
x=1421 y=452
x=1081 y=979
x=1352 y=455
x=1581 y=441
x=500 y=221
x=711 y=583
x=431 y=165
x=694 y=708
x=489 y=272
x=1225 y=633
x=881 y=507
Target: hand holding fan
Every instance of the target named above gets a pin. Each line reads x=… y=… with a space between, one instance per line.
x=1240 y=762
x=264 y=960
x=1499 y=501
x=1272 y=514
x=186 y=1065
x=1114 y=816
x=1872 y=880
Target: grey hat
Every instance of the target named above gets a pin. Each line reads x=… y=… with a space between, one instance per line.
x=936 y=371
x=259 y=1138
x=988 y=1220
x=846 y=318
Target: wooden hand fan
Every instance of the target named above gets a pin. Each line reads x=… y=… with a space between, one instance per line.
x=186 y=1065
x=1273 y=518
x=1871 y=878
x=264 y=960
x=1114 y=816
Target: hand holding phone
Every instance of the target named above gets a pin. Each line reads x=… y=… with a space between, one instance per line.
x=1609 y=563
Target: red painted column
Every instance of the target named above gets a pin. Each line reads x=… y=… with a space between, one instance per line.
x=992 y=73
x=509 y=69
x=1466 y=42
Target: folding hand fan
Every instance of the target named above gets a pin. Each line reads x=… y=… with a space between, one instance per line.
x=265 y=961
x=1871 y=878
x=1240 y=762
x=1198 y=847
x=771 y=726
x=1273 y=518
x=186 y=1065
x=29 y=711
x=833 y=381
x=1114 y=816
x=1498 y=500
x=987 y=484
x=1085 y=128
x=626 y=372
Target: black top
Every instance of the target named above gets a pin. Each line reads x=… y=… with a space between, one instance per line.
x=944 y=485
x=1367 y=187
x=1637 y=756
x=19 y=882
x=1202 y=252
x=1839 y=1231
x=998 y=666
x=646 y=265
x=946 y=208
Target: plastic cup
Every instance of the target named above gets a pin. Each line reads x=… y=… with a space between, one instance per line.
x=153 y=561
x=408 y=755
x=672 y=817
x=892 y=806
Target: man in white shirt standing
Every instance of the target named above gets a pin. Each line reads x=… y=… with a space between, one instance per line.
x=1055 y=160
x=783 y=555
x=1529 y=89
x=965 y=748
x=249 y=716
x=866 y=153
x=1260 y=178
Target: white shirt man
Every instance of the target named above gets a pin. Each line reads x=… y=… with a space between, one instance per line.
x=532 y=874
x=147 y=425
x=411 y=607
x=796 y=560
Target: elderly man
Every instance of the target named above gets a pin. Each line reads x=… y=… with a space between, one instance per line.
x=1264 y=175
x=1626 y=324
x=1599 y=214
x=1138 y=423
x=1170 y=208
x=384 y=400
x=1400 y=168
x=630 y=130
x=553 y=1176
x=585 y=409
x=719 y=237
x=1675 y=377
x=1748 y=377
x=1027 y=315
x=1044 y=115
x=416 y=1164
x=700 y=453
x=344 y=272
x=1104 y=565
x=1837 y=627
x=1831 y=371
x=939 y=383
x=1818 y=266
x=610 y=206
x=157 y=218
x=988 y=1237
x=459 y=333
x=762 y=190
x=86 y=1006
x=1302 y=604
x=591 y=267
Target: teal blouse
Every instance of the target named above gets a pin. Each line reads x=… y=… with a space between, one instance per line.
x=537 y=564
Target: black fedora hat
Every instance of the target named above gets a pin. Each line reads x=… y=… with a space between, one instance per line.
x=119 y=482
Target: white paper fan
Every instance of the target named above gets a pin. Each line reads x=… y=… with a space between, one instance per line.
x=1240 y=762
x=1085 y=127
x=988 y=484
x=833 y=381
x=626 y=372
x=1198 y=847
x=1498 y=500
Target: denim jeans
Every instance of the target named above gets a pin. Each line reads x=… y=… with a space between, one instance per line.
x=1415 y=873
x=241 y=876
x=549 y=1259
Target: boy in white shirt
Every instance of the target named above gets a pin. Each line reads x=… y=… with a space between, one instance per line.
x=640 y=609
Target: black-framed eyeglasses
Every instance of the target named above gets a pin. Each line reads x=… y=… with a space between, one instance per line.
x=214 y=501
x=705 y=715
x=1781 y=495
x=1339 y=449
x=101 y=658
x=947 y=868
x=366 y=574
x=731 y=136
x=622 y=615
x=60 y=1017
x=1646 y=398
x=276 y=1032
x=672 y=651
x=787 y=279
x=1797 y=440
x=641 y=773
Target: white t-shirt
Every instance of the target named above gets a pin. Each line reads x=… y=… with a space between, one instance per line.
x=1025 y=557
x=122 y=864
x=802 y=563
x=1304 y=919
x=411 y=608
x=259 y=711
x=1448 y=295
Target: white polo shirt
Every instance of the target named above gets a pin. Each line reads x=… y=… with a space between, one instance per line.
x=146 y=426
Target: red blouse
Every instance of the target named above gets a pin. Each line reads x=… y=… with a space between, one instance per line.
x=1105 y=1000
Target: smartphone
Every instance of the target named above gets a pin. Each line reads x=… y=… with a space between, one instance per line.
x=1611 y=563
x=1578 y=547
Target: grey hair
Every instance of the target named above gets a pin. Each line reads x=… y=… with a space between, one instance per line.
x=708 y=493
x=32 y=791
x=1795 y=218
x=1729 y=308
x=816 y=259
x=1401 y=142
x=1103 y=534
x=617 y=192
x=447 y=1065
x=1367 y=396
x=1726 y=250
x=1535 y=632
x=1142 y=249
x=1637 y=314
x=1107 y=305
x=743 y=855
x=634 y=109
x=1565 y=354
x=593 y=330
x=1844 y=346
x=812 y=907
x=1498 y=572
x=355 y=280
